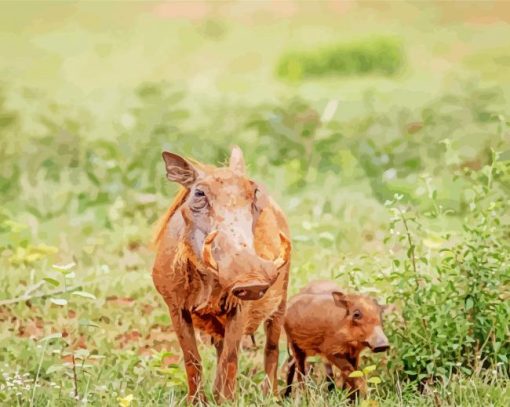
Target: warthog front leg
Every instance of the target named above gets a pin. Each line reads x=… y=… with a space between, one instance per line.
x=273 y=329
x=226 y=373
x=183 y=327
x=218 y=345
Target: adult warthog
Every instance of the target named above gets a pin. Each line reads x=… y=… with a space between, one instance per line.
x=222 y=266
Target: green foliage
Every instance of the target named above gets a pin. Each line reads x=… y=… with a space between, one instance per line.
x=454 y=291
x=82 y=184
x=380 y=56
x=95 y=201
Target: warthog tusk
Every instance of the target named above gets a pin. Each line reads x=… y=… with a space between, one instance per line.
x=284 y=256
x=207 y=253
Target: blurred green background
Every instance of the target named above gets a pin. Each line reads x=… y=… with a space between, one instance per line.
x=343 y=109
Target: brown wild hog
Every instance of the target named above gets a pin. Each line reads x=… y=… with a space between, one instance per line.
x=222 y=265
x=323 y=320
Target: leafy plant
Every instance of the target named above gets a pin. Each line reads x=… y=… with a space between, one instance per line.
x=454 y=305
x=383 y=56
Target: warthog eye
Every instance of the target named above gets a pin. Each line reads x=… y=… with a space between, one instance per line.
x=254 y=206
x=357 y=315
x=199 y=201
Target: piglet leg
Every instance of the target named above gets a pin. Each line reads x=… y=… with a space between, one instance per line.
x=330 y=376
x=290 y=375
x=300 y=358
x=356 y=384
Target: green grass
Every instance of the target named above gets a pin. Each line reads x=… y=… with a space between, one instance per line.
x=82 y=181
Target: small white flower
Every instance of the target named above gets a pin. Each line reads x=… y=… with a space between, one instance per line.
x=389 y=174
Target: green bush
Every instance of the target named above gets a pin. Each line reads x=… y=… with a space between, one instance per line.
x=454 y=289
x=383 y=56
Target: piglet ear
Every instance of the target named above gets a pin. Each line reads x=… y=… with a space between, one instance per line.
x=236 y=162
x=179 y=170
x=341 y=300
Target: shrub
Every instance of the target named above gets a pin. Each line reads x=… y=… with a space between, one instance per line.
x=455 y=305
x=383 y=56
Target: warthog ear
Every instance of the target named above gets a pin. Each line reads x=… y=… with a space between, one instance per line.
x=341 y=300
x=179 y=170
x=236 y=162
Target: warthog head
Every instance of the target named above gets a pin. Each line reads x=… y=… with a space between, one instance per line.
x=220 y=212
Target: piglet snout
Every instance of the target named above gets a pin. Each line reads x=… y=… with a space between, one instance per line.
x=378 y=342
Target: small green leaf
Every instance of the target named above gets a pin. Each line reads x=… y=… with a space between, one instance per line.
x=52 y=281
x=58 y=301
x=84 y=294
x=369 y=369
x=64 y=268
x=374 y=380
x=356 y=373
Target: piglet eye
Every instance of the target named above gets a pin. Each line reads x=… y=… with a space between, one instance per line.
x=357 y=315
x=199 y=193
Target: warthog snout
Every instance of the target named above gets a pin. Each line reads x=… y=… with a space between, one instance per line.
x=247 y=275
x=250 y=292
